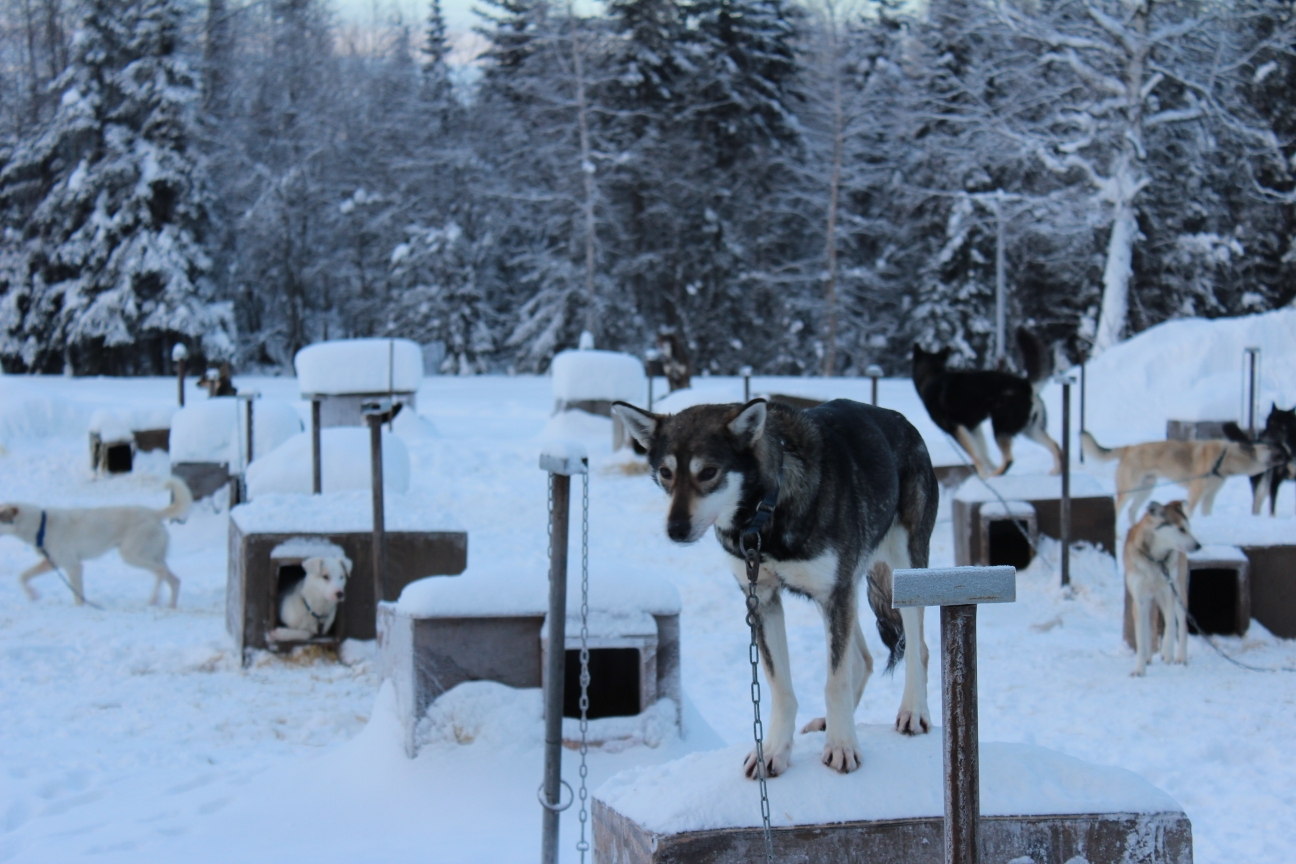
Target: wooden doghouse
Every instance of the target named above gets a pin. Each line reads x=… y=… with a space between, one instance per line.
x=1219 y=594
x=1007 y=533
x=1270 y=548
x=342 y=375
x=590 y=381
x=418 y=544
x=1195 y=430
x=697 y=809
x=116 y=435
x=1093 y=511
x=489 y=625
x=286 y=562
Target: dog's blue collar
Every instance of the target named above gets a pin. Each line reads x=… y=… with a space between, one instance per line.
x=40 y=535
x=319 y=619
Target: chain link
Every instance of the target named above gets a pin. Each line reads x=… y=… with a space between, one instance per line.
x=583 y=846
x=753 y=654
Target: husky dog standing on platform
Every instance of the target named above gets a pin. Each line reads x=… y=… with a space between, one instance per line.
x=852 y=490
x=66 y=538
x=1156 y=575
x=960 y=401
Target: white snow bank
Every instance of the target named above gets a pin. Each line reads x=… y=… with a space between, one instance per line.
x=1244 y=530
x=359 y=366
x=598 y=375
x=492 y=591
x=1029 y=487
x=413 y=426
x=576 y=425
x=339 y=513
x=118 y=424
x=1191 y=369
x=704 y=391
x=215 y=430
x=24 y=415
x=344 y=464
x=1219 y=553
x=706 y=791
x=493 y=714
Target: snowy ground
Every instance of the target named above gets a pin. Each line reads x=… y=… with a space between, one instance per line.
x=132 y=735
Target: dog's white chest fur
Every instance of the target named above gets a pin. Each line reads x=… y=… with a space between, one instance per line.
x=815 y=577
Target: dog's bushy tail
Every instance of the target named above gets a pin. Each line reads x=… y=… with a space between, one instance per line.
x=181 y=500
x=1038 y=359
x=1096 y=451
x=890 y=626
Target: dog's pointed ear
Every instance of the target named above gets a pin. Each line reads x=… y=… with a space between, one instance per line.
x=346 y=565
x=749 y=423
x=8 y=513
x=642 y=425
x=1176 y=507
x=313 y=566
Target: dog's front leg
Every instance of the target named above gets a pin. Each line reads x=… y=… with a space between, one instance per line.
x=914 y=716
x=1142 y=633
x=841 y=693
x=771 y=636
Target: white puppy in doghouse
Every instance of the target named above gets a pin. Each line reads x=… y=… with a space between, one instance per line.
x=309 y=607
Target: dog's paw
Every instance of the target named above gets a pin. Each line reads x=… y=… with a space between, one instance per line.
x=913 y=722
x=842 y=757
x=1137 y=673
x=818 y=724
x=776 y=762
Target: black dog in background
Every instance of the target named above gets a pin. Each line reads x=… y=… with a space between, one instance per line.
x=960 y=401
x=1280 y=432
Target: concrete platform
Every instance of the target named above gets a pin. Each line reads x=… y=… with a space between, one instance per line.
x=1037 y=805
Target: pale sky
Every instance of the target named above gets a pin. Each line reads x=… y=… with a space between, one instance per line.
x=457 y=13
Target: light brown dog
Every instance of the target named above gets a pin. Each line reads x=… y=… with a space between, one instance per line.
x=1156 y=576
x=1202 y=466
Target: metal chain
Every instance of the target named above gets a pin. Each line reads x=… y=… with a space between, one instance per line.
x=583 y=846
x=753 y=654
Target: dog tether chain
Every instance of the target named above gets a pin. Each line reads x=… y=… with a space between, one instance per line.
x=752 y=556
x=583 y=846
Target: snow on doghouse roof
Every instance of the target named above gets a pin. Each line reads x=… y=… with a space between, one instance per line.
x=491 y=591
x=1028 y=487
x=589 y=375
x=1242 y=529
x=339 y=513
x=117 y=424
x=703 y=791
x=350 y=366
x=307 y=547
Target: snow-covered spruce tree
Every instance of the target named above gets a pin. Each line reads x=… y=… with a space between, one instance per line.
x=105 y=210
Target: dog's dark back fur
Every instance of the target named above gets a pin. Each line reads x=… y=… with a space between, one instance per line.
x=1279 y=432
x=956 y=398
x=849 y=470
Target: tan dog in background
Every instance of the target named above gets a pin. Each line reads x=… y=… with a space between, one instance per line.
x=1202 y=466
x=1156 y=576
x=67 y=537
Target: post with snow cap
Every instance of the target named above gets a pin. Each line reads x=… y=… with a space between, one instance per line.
x=746 y=373
x=957 y=591
x=375 y=414
x=561 y=459
x=874 y=372
x=179 y=354
x=317 y=473
x=1064 y=505
x=1251 y=367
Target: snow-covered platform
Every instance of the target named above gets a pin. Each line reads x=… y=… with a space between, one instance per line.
x=1270 y=547
x=1093 y=510
x=490 y=625
x=343 y=374
x=1037 y=805
x=421 y=541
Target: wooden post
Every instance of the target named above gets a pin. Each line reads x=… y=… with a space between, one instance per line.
x=874 y=372
x=250 y=400
x=561 y=462
x=179 y=353
x=1064 y=506
x=958 y=590
x=1082 y=408
x=746 y=373
x=317 y=476
x=375 y=421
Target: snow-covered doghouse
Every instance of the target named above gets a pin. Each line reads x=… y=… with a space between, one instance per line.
x=116 y=435
x=210 y=440
x=1012 y=501
x=589 y=381
x=342 y=375
x=490 y=625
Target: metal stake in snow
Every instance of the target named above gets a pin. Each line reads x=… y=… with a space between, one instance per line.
x=874 y=372
x=317 y=474
x=1064 y=506
x=179 y=354
x=375 y=414
x=746 y=373
x=1251 y=367
x=561 y=460
x=957 y=591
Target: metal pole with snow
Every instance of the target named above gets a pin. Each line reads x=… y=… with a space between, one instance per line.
x=1064 y=506
x=375 y=413
x=874 y=372
x=179 y=353
x=561 y=459
x=957 y=591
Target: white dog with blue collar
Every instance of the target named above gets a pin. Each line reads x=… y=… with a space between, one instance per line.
x=309 y=607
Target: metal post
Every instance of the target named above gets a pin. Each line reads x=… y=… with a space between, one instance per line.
x=874 y=372
x=375 y=421
x=180 y=376
x=317 y=476
x=1082 y=408
x=1000 y=312
x=962 y=747
x=746 y=373
x=249 y=428
x=1253 y=385
x=1065 y=504
x=650 y=393
x=555 y=665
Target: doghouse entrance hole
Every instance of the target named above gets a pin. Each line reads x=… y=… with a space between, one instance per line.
x=613 y=687
x=118 y=458
x=1212 y=600
x=1009 y=543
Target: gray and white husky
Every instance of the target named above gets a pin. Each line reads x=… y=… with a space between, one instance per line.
x=853 y=491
